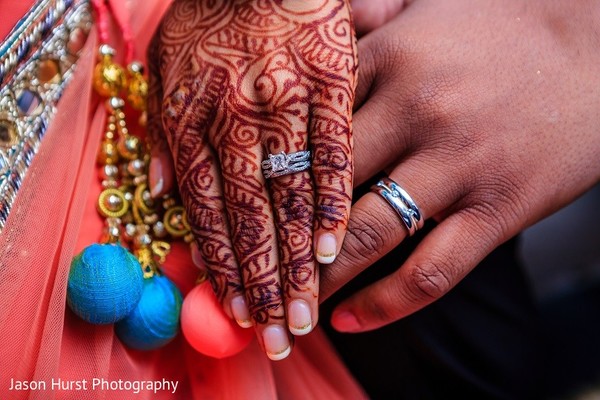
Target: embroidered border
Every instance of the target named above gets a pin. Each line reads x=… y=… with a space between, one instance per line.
x=37 y=61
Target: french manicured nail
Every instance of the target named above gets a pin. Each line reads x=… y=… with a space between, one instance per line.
x=299 y=319
x=277 y=344
x=240 y=312
x=197 y=257
x=344 y=321
x=326 y=248
x=156 y=179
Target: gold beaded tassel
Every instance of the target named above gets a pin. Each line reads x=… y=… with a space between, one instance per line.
x=114 y=201
x=132 y=217
x=106 y=283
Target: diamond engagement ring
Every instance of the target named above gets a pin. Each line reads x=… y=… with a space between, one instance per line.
x=402 y=203
x=285 y=164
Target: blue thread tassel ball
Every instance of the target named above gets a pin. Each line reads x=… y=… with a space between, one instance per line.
x=155 y=320
x=105 y=283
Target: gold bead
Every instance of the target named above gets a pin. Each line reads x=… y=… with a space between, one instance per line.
x=168 y=202
x=112 y=203
x=150 y=219
x=129 y=147
x=109 y=184
x=114 y=105
x=112 y=231
x=136 y=167
x=138 y=180
x=143 y=200
x=108 y=153
x=130 y=231
x=137 y=89
x=109 y=79
x=175 y=222
x=142 y=240
x=159 y=229
x=108 y=172
x=189 y=238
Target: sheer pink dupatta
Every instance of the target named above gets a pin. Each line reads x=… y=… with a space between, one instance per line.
x=53 y=218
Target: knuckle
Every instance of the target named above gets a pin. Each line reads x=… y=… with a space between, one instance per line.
x=366 y=236
x=332 y=210
x=204 y=219
x=429 y=280
x=249 y=228
x=428 y=105
x=265 y=300
x=191 y=97
x=434 y=104
x=332 y=158
x=498 y=205
x=249 y=233
x=391 y=53
x=174 y=107
x=296 y=208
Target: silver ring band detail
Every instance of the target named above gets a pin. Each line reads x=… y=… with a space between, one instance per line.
x=402 y=203
x=285 y=164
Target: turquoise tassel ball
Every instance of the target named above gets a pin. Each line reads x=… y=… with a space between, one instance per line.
x=155 y=320
x=105 y=283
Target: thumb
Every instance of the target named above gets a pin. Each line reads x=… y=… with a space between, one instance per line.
x=371 y=14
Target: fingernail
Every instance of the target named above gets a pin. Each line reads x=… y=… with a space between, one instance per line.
x=299 y=319
x=197 y=257
x=157 y=188
x=344 y=321
x=277 y=344
x=240 y=312
x=156 y=179
x=326 y=248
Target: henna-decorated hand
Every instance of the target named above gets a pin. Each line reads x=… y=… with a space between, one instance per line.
x=234 y=81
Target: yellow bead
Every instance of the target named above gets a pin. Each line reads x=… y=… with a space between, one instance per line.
x=137 y=93
x=129 y=147
x=112 y=203
x=175 y=222
x=143 y=200
x=109 y=77
x=108 y=153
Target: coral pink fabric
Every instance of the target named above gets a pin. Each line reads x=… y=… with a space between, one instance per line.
x=53 y=218
x=12 y=11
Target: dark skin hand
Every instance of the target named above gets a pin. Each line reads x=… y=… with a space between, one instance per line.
x=487 y=114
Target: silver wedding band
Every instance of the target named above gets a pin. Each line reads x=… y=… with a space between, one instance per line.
x=402 y=203
x=285 y=164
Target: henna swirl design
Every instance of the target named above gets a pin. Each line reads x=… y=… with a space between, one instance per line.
x=237 y=80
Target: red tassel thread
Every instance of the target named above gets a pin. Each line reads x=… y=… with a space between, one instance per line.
x=103 y=14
